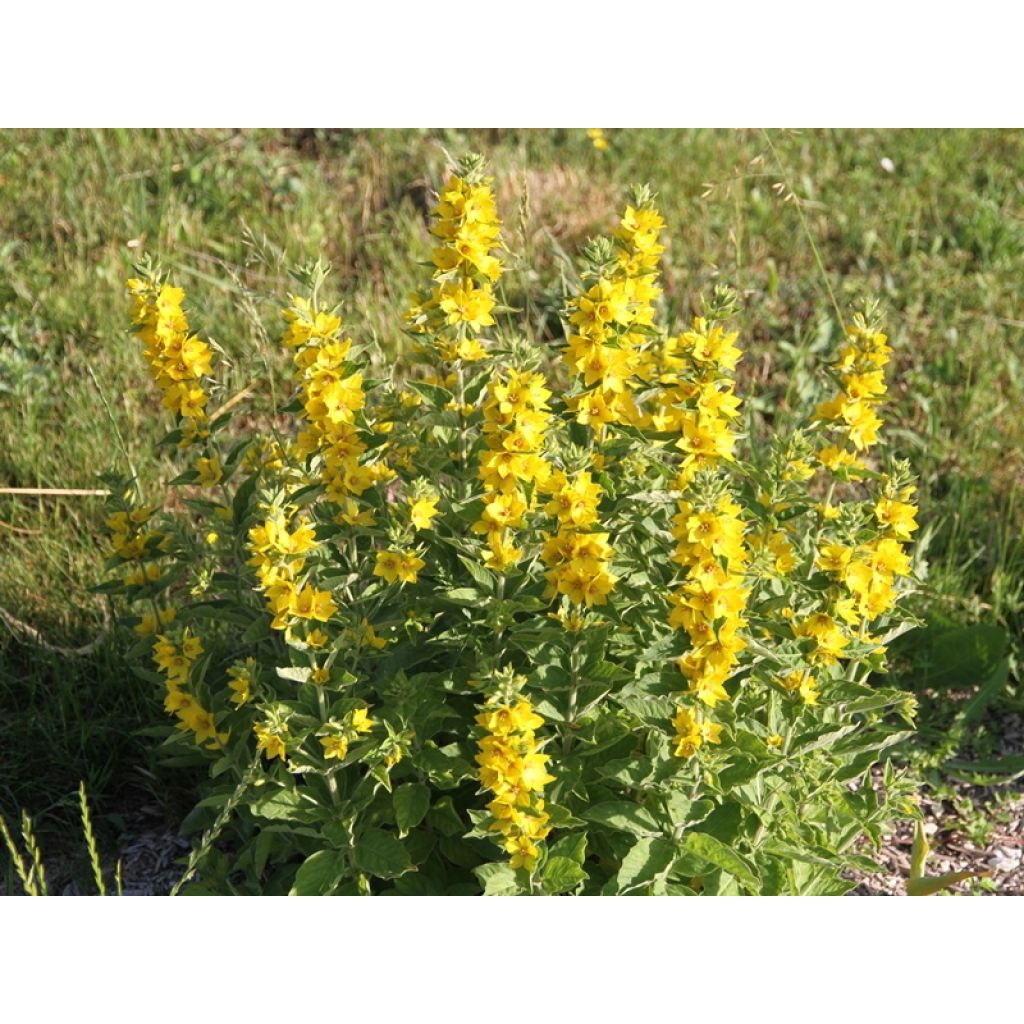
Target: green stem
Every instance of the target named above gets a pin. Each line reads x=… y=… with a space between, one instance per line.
x=570 y=715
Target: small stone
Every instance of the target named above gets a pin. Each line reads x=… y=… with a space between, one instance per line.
x=1004 y=859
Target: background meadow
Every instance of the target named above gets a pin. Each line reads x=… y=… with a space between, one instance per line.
x=928 y=222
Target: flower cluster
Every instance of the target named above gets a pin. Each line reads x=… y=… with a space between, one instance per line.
x=859 y=545
x=460 y=303
x=340 y=734
x=862 y=379
x=175 y=661
x=133 y=542
x=699 y=401
x=864 y=575
x=331 y=392
x=278 y=555
x=516 y=418
x=578 y=558
x=692 y=733
x=514 y=770
x=709 y=604
x=241 y=677
x=177 y=359
x=398 y=566
x=610 y=321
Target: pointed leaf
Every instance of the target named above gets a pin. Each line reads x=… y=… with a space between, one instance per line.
x=722 y=856
x=411 y=802
x=930 y=886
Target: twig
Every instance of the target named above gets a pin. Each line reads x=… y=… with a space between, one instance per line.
x=16 y=626
x=232 y=402
x=56 y=492
x=20 y=529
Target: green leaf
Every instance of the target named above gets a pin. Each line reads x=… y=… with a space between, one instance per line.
x=633 y=772
x=817 y=739
x=240 y=502
x=648 y=709
x=649 y=858
x=411 y=802
x=957 y=657
x=988 y=691
x=497 y=879
x=678 y=806
x=282 y=805
x=200 y=889
x=481 y=576
x=415 y=885
x=1011 y=766
x=445 y=818
x=296 y=675
x=742 y=770
x=548 y=711
x=930 y=886
x=572 y=846
x=381 y=854
x=724 y=822
x=468 y=596
x=795 y=853
x=919 y=850
x=625 y=817
x=722 y=856
x=562 y=874
x=437 y=396
x=319 y=874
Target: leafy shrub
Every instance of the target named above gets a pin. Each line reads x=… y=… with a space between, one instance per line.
x=512 y=621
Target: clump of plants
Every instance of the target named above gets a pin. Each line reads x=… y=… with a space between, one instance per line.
x=514 y=619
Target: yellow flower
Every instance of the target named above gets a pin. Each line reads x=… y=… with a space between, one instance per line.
x=271 y=742
x=241 y=681
x=471 y=351
x=802 y=683
x=352 y=515
x=421 y=511
x=360 y=720
x=150 y=622
x=898 y=516
x=210 y=472
x=335 y=746
x=388 y=565
x=316 y=638
x=310 y=603
x=409 y=567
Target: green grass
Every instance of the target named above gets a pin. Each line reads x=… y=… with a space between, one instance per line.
x=940 y=240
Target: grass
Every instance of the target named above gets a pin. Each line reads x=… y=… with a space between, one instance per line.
x=928 y=222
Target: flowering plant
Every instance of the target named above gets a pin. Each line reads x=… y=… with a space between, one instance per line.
x=508 y=621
